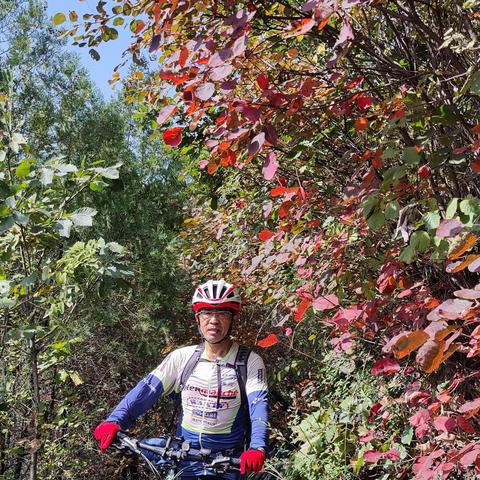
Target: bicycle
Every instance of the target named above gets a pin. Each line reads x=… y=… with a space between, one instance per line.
x=170 y=457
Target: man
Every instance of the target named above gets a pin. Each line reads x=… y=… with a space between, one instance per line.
x=219 y=410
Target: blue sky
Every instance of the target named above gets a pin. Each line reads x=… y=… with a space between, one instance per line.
x=110 y=52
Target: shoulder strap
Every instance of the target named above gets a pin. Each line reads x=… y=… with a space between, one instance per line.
x=191 y=364
x=241 y=361
x=185 y=375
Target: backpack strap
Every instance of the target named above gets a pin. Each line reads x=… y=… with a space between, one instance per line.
x=187 y=371
x=190 y=365
x=241 y=361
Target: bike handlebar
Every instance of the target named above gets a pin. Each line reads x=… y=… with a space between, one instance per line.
x=171 y=452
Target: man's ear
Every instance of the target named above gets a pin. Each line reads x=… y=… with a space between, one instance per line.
x=235 y=317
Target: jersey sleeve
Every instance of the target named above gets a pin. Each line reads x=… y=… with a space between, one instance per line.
x=257 y=395
x=143 y=396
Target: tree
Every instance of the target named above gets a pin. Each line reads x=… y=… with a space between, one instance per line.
x=346 y=137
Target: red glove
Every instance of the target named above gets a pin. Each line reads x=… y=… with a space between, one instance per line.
x=252 y=461
x=105 y=434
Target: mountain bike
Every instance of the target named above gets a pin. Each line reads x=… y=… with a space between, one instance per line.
x=170 y=457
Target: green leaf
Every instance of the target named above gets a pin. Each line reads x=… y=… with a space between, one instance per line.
x=21 y=218
x=392 y=210
x=59 y=18
x=4 y=287
x=63 y=227
x=376 y=220
x=470 y=206
x=411 y=156
x=408 y=254
x=452 y=208
x=431 y=220
x=7 y=224
x=46 y=176
x=420 y=241
x=94 y=54
x=118 y=21
x=474 y=83
x=97 y=185
x=114 y=247
x=369 y=205
x=444 y=115
x=83 y=217
x=63 y=169
x=23 y=169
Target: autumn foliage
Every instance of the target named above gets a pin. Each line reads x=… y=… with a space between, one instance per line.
x=345 y=137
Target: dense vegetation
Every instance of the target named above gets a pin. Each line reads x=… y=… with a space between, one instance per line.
x=322 y=155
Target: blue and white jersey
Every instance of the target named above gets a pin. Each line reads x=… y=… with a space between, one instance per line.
x=212 y=417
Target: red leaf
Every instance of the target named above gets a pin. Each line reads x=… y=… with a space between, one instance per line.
x=265 y=235
x=392 y=454
x=364 y=102
x=468 y=406
x=304 y=26
x=367 y=437
x=239 y=46
x=256 y=144
x=361 y=124
x=252 y=113
x=372 y=456
x=173 y=136
x=263 y=81
x=184 y=53
x=449 y=228
x=476 y=165
x=346 y=34
x=303 y=306
x=140 y=26
x=385 y=366
x=220 y=72
x=444 y=424
x=278 y=191
x=326 y=302
x=165 y=113
x=270 y=340
x=205 y=91
x=270 y=166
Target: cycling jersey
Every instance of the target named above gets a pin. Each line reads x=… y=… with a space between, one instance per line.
x=212 y=417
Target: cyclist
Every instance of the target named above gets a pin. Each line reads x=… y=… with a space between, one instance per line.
x=218 y=412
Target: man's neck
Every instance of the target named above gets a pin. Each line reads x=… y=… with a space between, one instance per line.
x=216 y=351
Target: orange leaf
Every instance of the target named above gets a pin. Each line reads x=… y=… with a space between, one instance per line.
x=430 y=355
x=462 y=266
x=361 y=124
x=228 y=158
x=212 y=167
x=431 y=303
x=265 y=235
x=303 y=306
x=324 y=22
x=270 y=340
x=408 y=343
x=467 y=244
x=443 y=334
x=476 y=128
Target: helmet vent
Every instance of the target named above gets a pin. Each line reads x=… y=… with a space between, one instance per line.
x=224 y=289
x=214 y=288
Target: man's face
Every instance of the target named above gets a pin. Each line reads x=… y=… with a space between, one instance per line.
x=214 y=324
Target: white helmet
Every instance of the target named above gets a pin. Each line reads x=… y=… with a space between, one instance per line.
x=216 y=294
